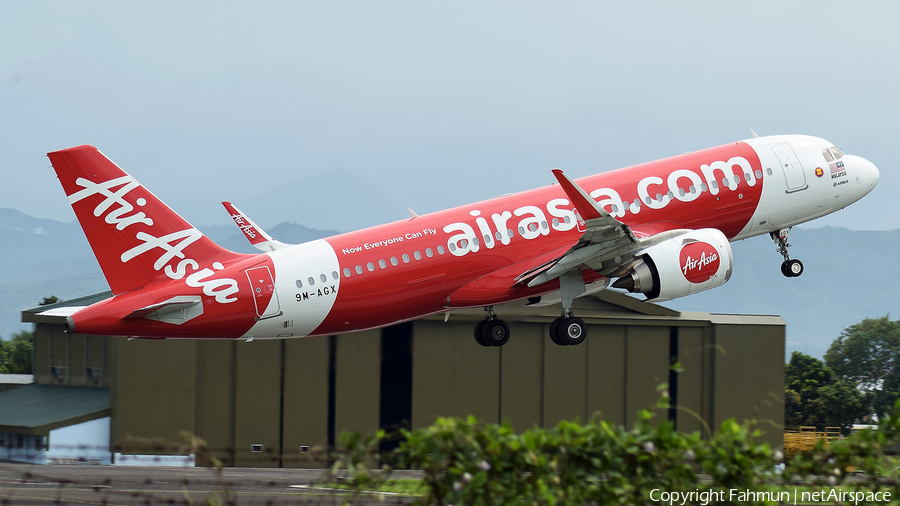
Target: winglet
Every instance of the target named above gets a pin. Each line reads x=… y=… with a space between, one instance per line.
x=586 y=206
x=257 y=236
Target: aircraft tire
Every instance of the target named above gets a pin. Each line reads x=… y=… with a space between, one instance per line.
x=795 y=267
x=479 y=333
x=572 y=331
x=554 y=332
x=496 y=332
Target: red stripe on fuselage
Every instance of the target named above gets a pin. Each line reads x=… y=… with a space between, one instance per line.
x=411 y=289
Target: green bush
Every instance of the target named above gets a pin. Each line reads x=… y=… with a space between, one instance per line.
x=464 y=462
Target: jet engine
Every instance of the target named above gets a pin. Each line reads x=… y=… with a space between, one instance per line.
x=687 y=263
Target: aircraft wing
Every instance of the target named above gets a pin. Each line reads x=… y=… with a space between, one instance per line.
x=607 y=245
x=257 y=236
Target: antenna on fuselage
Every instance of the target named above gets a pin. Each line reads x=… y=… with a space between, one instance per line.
x=753 y=134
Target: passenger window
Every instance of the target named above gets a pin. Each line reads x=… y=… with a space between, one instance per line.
x=463 y=243
x=382 y=264
x=346 y=272
x=737 y=180
x=311 y=281
x=323 y=278
x=521 y=230
x=827 y=154
x=359 y=269
x=474 y=241
x=406 y=257
x=671 y=195
x=659 y=197
x=487 y=239
x=758 y=174
x=769 y=171
x=441 y=249
x=703 y=187
x=680 y=192
x=431 y=253
x=370 y=266
x=625 y=205
x=417 y=255
x=394 y=261
x=637 y=204
x=334 y=275
x=647 y=200
x=510 y=233
x=568 y=220
x=555 y=224
x=747 y=176
x=693 y=189
x=299 y=284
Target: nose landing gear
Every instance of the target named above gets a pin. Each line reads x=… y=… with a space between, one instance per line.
x=791 y=268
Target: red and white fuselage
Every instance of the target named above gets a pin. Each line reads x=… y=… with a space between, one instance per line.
x=169 y=280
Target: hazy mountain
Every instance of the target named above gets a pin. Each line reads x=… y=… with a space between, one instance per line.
x=338 y=199
x=849 y=274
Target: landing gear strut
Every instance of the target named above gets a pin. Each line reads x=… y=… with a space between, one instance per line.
x=491 y=331
x=791 y=268
x=567 y=330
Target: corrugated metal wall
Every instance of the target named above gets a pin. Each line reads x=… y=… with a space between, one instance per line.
x=272 y=403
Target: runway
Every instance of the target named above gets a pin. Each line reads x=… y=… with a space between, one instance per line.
x=24 y=484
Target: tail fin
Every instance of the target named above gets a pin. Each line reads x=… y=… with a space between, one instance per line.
x=135 y=236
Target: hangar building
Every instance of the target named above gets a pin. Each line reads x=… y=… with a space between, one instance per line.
x=275 y=402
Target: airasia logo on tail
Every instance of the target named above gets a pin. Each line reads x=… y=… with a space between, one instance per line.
x=699 y=262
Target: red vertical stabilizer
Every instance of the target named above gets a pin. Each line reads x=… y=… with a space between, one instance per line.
x=136 y=238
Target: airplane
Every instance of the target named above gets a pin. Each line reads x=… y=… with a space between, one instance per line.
x=661 y=229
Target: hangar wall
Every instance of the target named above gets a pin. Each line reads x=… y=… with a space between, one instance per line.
x=274 y=402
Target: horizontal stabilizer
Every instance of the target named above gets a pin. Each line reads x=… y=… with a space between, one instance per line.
x=62 y=311
x=176 y=310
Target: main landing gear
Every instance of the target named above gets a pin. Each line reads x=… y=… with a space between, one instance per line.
x=568 y=330
x=491 y=331
x=791 y=268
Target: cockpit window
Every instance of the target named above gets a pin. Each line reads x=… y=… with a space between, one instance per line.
x=838 y=154
x=827 y=154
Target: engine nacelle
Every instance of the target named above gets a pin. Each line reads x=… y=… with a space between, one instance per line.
x=688 y=263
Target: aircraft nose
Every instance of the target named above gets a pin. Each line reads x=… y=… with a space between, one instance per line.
x=870 y=171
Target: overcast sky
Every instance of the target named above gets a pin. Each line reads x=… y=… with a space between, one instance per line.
x=430 y=104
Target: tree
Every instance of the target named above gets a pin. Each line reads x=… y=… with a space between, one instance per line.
x=814 y=395
x=868 y=354
x=3 y=369
x=17 y=354
x=804 y=375
x=53 y=299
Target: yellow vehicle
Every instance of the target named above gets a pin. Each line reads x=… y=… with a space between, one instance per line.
x=805 y=439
